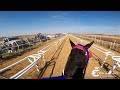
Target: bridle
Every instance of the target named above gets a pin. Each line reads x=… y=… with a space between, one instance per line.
x=81 y=47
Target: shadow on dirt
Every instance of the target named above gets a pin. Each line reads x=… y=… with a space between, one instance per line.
x=106 y=66
x=52 y=62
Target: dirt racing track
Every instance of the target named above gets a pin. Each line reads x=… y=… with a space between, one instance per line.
x=50 y=59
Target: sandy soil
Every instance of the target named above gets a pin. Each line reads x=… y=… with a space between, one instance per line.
x=24 y=64
x=58 y=61
x=102 y=70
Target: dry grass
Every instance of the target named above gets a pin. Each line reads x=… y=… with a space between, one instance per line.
x=106 y=38
x=27 y=36
x=105 y=41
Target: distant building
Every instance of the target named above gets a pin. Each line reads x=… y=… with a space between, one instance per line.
x=64 y=33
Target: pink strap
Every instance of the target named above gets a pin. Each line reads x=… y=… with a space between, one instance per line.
x=79 y=47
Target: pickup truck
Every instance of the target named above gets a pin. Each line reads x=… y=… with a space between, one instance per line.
x=12 y=41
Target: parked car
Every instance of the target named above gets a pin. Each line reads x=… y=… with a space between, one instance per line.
x=9 y=40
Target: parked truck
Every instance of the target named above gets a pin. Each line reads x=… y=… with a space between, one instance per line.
x=10 y=41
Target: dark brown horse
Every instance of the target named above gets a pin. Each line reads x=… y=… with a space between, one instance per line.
x=77 y=61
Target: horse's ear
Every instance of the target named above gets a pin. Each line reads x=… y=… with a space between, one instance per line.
x=72 y=44
x=89 y=45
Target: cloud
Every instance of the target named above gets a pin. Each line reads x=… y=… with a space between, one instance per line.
x=59 y=17
x=55 y=16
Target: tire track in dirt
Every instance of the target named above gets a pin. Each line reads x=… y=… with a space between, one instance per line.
x=49 y=64
x=60 y=62
x=48 y=70
x=57 y=64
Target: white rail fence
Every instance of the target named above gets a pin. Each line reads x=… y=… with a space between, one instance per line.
x=110 y=45
x=106 y=52
x=34 y=57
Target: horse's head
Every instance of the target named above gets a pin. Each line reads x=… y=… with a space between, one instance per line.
x=77 y=60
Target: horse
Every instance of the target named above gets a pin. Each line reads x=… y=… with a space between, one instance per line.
x=77 y=61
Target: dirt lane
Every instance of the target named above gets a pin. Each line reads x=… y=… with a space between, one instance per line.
x=93 y=63
x=22 y=65
x=62 y=59
x=57 y=65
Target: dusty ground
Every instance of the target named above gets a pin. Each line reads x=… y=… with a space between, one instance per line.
x=58 y=61
x=27 y=36
x=102 y=70
x=24 y=64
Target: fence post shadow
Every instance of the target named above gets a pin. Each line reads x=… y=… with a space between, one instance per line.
x=51 y=62
x=106 y=66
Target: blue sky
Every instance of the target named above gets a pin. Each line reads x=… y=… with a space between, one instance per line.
x=31 y=22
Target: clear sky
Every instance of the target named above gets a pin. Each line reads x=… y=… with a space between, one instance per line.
x=31 y=22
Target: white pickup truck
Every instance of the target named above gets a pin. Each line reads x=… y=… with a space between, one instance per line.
x=10 y=41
